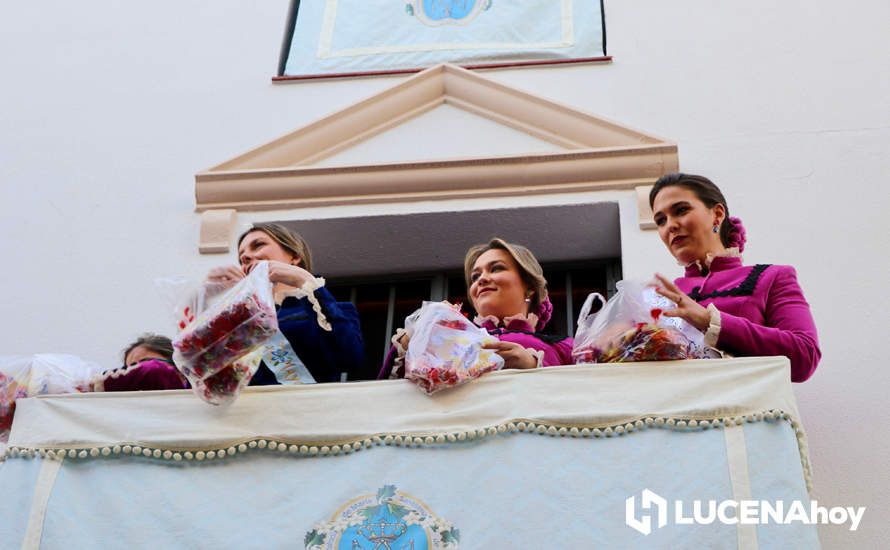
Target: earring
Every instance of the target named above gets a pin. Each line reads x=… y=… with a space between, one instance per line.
x=528 y=298
x=716 y=228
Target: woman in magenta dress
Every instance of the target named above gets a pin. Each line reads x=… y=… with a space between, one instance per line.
x=506 y=285
x=743 y=310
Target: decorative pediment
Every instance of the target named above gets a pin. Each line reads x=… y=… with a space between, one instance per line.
x=577 y=152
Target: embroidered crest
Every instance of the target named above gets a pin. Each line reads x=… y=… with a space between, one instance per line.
x=389 y=520
x=446 y=12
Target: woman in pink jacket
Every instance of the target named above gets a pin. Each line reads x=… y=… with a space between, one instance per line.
x=743 y=310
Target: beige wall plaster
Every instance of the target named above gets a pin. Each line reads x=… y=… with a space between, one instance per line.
x=216 y=230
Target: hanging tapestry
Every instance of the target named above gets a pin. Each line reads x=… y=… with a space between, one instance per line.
x=352 y=37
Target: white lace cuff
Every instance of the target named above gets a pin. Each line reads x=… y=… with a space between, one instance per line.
x=308 y=291
x=538 y=354
x=713 y=332
x=398 y=362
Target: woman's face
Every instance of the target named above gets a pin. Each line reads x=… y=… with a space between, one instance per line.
x=140 y=354
x=686 y=225
x=258 y=246
x=496 y=287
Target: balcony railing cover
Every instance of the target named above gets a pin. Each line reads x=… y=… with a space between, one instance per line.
x=530 y=459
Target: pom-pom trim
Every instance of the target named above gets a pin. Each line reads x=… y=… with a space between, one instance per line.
x=418 y=440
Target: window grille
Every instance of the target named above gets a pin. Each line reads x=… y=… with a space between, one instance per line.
x=383 y=303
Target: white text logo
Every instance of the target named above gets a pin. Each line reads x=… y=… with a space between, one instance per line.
x=733 y=512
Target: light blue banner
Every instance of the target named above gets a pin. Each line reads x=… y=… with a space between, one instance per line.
x=509 y=491
x=336 y=36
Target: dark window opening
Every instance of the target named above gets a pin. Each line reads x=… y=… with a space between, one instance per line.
x=383 y=303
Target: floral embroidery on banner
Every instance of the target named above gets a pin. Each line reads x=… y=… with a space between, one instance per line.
x=284 y=362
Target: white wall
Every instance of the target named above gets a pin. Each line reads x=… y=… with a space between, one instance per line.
x=107 y=109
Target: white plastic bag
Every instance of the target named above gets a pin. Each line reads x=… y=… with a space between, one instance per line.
x=223 y=333
x=630 y=327
x=44 y=373
x=54 y=373
x=445 y=349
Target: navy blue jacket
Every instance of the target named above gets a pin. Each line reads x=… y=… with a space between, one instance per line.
x=326 y=354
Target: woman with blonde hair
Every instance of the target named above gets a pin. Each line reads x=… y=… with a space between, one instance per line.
x=321 y=332
x=506 y=286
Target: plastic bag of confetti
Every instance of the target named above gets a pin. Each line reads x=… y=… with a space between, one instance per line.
x=223 y=387
x=446 y=349
x=15 y=375
x=630 y=327
x=220 y=332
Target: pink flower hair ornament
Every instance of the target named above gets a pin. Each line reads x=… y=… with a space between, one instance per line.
x=545 y=311
x=736 y=236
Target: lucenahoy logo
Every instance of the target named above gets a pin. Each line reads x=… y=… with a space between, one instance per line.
x=733 y=512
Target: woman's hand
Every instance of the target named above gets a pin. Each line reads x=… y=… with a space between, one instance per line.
x=288 y=274
x=227 y=275
x=404 y=340
x=687 y=309
x=515 y=356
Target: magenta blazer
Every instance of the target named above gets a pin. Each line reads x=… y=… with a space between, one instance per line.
x=762 y=311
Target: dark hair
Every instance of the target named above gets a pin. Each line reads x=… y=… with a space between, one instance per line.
x=732 y=233
x=153 y=342
x=290 y=240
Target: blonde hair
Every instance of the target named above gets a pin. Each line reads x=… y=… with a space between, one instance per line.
x=288 y=239
x=530 y=270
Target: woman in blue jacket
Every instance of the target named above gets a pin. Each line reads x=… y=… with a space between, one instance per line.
x=322 y=332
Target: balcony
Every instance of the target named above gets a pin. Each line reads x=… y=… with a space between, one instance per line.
x=562 y=457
